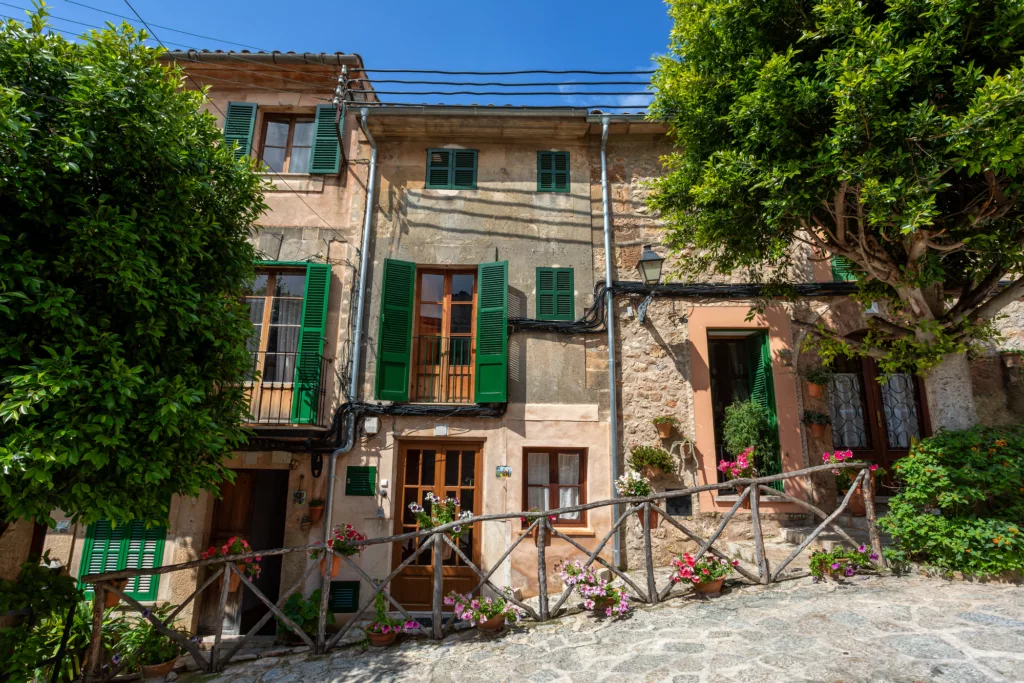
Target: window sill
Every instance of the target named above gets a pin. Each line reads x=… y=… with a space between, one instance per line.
x=732 y=498
x=571 y=531
x=294 y=182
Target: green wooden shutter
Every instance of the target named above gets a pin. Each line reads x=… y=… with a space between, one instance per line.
x=127 y=546
x=555 y=294
x=326 y=154
x=239 y=123
x=552 y=171
x=464 y=169
x=101 y=552
x=306 y=391
x=439 y=167
x=344 y=596
x=492 y=333
x=360 y=480
x=762 y=391
x=394 y=340
x=843 y=269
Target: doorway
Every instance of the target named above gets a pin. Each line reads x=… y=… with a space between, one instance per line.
x=448 y=470
x=253 y=507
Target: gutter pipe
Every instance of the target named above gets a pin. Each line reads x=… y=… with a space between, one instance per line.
x=613 y=403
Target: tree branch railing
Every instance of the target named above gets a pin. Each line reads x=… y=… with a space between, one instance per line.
x=436 y=539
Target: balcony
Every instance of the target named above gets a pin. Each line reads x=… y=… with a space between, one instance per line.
x=442 y=369
x=288 y=388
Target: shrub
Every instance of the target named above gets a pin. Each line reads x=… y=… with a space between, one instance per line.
x=961 y=503
x=749 y=424
x=137 y=640
x=841 y=562
x=651 y=456
x=665 y=419
x=818 y=375
x=305 y=612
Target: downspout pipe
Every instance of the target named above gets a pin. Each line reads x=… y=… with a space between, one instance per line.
x=357 y=346
x=613 y=402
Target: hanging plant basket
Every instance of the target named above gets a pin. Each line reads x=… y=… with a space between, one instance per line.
x=652 y=471
x=316 y=513
x=652 y=518
x=746 y=502
x=817 y=430
x=664 y=429
x=335 y=565
x=234 y=580
x=815 y=390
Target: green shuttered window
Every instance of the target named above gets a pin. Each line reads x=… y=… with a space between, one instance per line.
x=451 y=169
x=762 y=390
x=555 y=294
x=552 y=171
x=843 y=269
x=306 y=404
x=492 y=333
x=239 y=123
x=394 y=339
x=127 y=546
x=360 y=480
x=326 y=154
x=344 y=596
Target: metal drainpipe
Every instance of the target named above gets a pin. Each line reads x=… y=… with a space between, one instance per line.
x=613 y=403
x=357 y=346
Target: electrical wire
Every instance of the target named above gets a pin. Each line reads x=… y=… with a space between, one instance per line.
x=506 y=73
x=495 y=83
x=491 y=92
x=396 y=105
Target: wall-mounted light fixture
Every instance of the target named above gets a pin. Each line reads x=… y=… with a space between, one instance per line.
x=649 y=266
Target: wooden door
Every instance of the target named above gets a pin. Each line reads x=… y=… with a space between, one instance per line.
x=232 y=516
x=448 y=470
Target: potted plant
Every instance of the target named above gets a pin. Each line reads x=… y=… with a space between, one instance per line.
x=316 y=510
x=817 y=423
x=740 y=468
x=665 y=423
x=236 y=545
x=110 y=598
x=632 y=484
x=651 y=461
x=487 y=614
x=532 y=514
x=817 y=379
x=597 y=593
x=845 y=478
x=750 y=424
x=137 y=641
x=840 y=563
x=383 y=630
x=706 y=574
x=442 y=511
x=341 y=543
x=305 y=612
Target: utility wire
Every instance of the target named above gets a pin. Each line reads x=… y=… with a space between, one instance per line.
x=505 y=73
x=386 y=105
x=492 y=92
x=498 y=83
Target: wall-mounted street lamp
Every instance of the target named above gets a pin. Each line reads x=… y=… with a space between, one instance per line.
x=649 y=266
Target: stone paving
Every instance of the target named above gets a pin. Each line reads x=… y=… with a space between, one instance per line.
x=869 y=629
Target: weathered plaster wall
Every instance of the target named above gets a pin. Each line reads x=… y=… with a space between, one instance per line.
x=14 y=548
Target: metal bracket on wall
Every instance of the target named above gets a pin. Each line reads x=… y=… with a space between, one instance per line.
x=316 y=464
x=641 y=310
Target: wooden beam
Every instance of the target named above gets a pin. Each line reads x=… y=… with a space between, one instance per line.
x=755 y=519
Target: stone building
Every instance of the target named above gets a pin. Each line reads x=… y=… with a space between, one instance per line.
x=468 y=375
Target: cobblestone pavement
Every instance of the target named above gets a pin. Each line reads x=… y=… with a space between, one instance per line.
x=871 y=629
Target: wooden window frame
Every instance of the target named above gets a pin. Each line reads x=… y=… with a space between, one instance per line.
x=268 y=304
x=552 y=453
x=291 y=120
x=446 y=303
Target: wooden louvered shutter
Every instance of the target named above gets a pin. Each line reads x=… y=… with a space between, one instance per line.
x=360 y=480
x=326 y=154
x=843 y=269
x=239 y=123
x=306 y=391
x=464 y=169
x=492 y=333
x=143 y=549
x=561 y=172
x=101 y=552
x=762 y=391
x=552 y=171
x=439 y=168
x=344 y=596
x=394 y=340
x=555 y=294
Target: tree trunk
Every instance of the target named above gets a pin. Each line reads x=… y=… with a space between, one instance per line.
x=950 y=394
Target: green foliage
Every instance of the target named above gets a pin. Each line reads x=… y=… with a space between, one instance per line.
x=818 y=375
x=665 y=419
x=812 y=417
x=746 y=424
x=840 y=563
x=22 y=646
x=888 y=132
x=305 y=612
x=135 y=639
x=961 y=505
x=650 y=456
x=123 y=260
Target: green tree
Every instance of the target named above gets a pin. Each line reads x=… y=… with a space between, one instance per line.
x=888 y=133
x=123 y=259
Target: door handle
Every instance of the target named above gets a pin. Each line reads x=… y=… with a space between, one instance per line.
x=878 y=419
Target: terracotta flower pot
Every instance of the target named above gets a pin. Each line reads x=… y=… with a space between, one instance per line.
x=493 y=624
x=664 y=429
x=158 y=670
x=335 y=565
x=817 y=430
x=234 y=581
x=447 y=551
x=382 y=639
x=652 y=519
x=604 y=603
x=709 y=587
x=110 y=598
x=652 y=471
x=856 y=506
x=815 y=390
x=316 y=512
x=746 y=502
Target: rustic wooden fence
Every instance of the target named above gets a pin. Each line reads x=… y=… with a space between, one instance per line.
x=436 y=538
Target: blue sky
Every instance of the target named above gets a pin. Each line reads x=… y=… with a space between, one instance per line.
x=480 y=35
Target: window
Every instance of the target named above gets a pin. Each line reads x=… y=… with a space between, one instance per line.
x=443 y=345
x=843 y=269
x=288 y=310
x=344 y=596
x=555 y=294
x=287 y=142
x=451 y=169
x=552 y=171
x=556 y=478
x=360 y=481
x=680 y=506
x=127 y=546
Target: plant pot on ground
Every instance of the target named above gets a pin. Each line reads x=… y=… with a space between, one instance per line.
x=651 y=461
x=706 y=574
x=143 y=647
x=383 y=630
x=664 y=424
x=316 y=510
x=487 y=613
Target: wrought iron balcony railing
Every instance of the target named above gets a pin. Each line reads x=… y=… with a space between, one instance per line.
x=288 y=388
x=442 y=369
